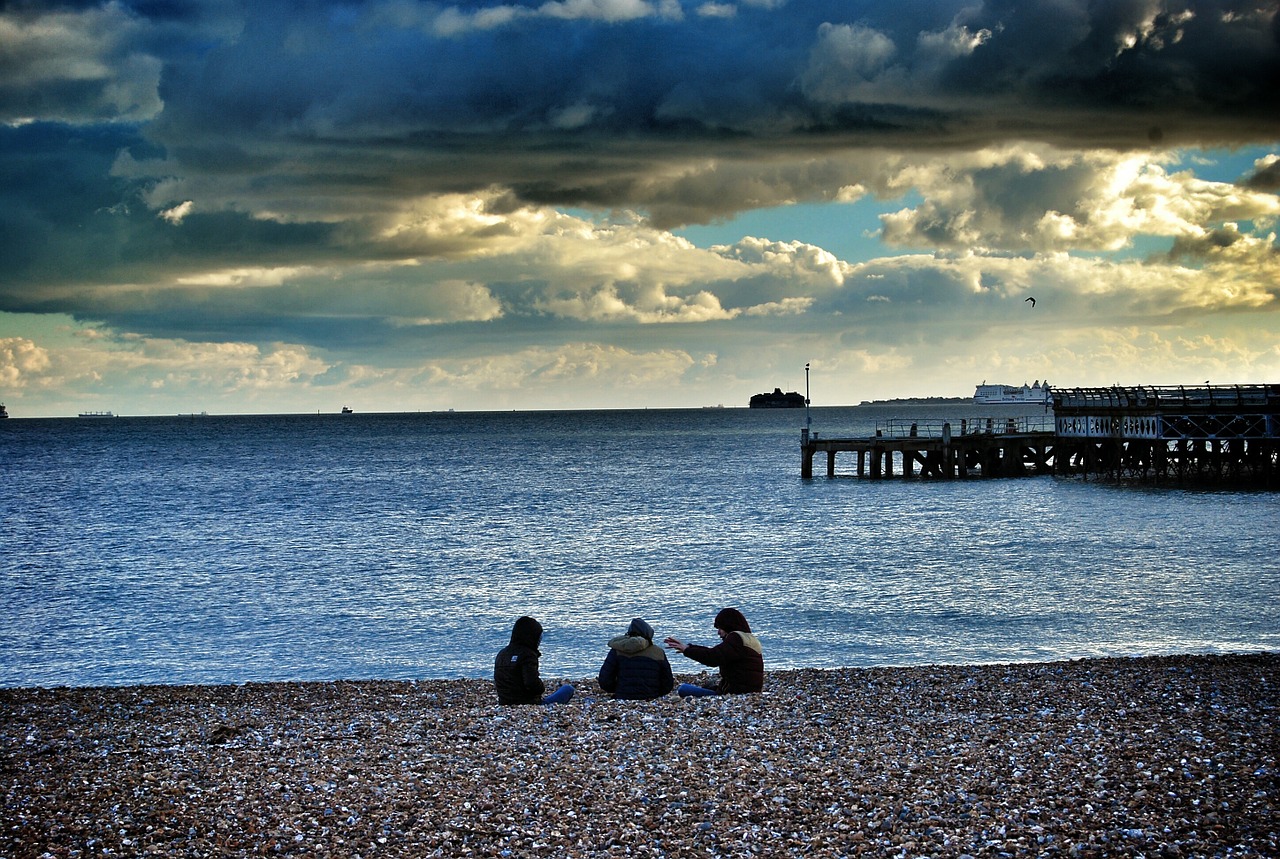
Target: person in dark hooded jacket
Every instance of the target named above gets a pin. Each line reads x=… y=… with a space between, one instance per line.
x=635 y=668
x=515 y=668
x=739 y=656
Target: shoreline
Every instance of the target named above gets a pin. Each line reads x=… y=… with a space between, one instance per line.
x=1161 y=756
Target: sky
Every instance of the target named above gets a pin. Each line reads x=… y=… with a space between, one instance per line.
x=269 y=207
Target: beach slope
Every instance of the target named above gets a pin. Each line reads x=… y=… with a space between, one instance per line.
x=1167 y=756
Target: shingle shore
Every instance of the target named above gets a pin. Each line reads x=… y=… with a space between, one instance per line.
x=1165 y=756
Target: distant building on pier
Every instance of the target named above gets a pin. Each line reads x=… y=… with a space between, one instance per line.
x=1211 y=434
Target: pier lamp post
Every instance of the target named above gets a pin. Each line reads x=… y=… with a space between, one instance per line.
x=807 y=420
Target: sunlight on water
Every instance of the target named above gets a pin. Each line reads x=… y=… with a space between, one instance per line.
x=321 y=547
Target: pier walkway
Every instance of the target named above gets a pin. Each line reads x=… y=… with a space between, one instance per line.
x=1209 y=434
x=985 y=447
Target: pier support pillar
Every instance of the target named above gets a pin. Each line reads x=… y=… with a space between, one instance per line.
x=806 y=454
x=948 y=456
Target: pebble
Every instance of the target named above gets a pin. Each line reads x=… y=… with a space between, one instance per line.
x=1158 y=756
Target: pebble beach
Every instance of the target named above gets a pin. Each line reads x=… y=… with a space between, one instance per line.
x=1159 y=756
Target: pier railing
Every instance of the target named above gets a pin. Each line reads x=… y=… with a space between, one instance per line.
x=1167 y=397
x=905 y=428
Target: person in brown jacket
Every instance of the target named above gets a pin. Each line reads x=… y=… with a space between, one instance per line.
x=739 y=656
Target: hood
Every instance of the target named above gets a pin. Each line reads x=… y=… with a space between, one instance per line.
x=630 y=645
x=641 y=628
x=527 y=632
x=732 y=620
x=751 y=642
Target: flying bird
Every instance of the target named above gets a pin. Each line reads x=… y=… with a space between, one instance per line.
x=1032 y=300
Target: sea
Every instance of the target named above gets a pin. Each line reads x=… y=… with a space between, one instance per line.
x=309 y=547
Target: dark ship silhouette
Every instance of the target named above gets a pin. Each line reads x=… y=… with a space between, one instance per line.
x=778 y=400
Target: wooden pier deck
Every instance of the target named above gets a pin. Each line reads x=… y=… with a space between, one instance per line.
x=1228 y=434
x=979 y=448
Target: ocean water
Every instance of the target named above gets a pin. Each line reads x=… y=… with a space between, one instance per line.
x=315 y=547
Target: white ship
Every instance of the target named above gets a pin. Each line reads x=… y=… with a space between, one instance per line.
x=1037 y=394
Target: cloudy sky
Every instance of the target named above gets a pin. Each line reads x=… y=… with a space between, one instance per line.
x=266 y=206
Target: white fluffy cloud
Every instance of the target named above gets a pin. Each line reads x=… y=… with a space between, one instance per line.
x=140 y=369
x=569 y=368
x=1040 y=199
x=21 y=361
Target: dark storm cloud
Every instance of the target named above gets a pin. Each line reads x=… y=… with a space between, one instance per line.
x=1266 y=177
x=587 y=103
x=1168 y=60
x=85 y=62
x=587 y=110
x=65 y=218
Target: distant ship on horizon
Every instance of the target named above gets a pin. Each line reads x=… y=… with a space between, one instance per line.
x=1037 y=394
x=97 y=415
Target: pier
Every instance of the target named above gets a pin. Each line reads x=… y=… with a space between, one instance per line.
x=1224 y=434
x=1216 y=434
x=979 y=447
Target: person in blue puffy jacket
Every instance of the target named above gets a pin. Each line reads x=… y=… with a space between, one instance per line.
x=635 y=668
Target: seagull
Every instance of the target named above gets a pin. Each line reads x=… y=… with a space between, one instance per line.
x=1032 y=300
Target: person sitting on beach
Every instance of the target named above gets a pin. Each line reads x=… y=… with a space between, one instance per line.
x=635 y=668
x=515 y=668
x=739 y=656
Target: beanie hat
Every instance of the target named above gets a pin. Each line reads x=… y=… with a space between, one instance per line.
x=732 y=620
x=641 y=628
